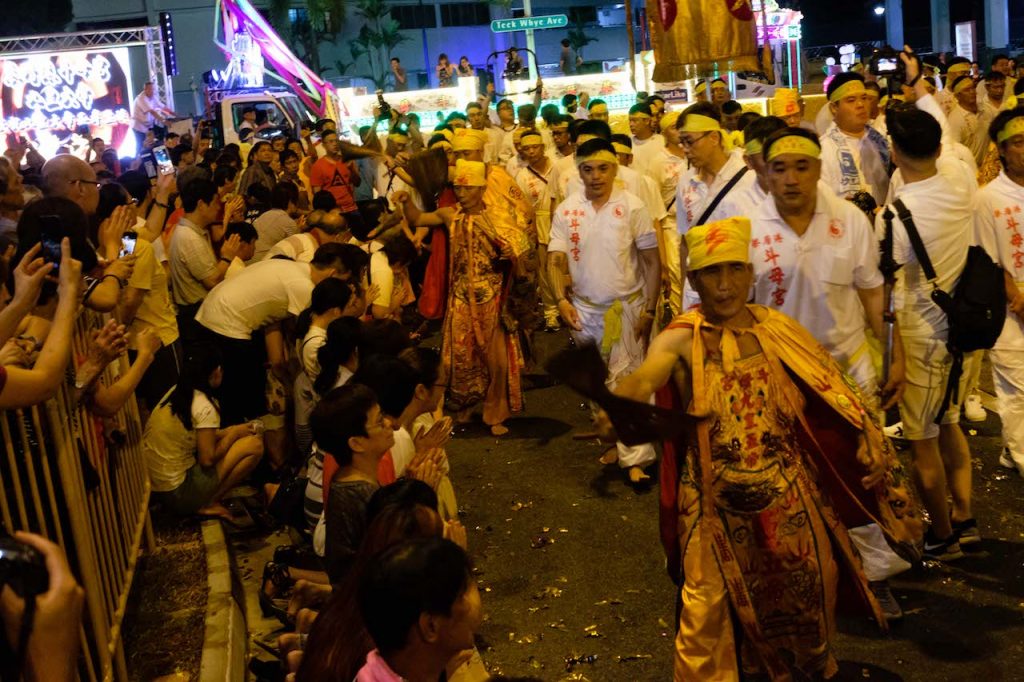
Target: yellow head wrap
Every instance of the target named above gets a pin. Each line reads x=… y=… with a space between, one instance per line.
x=854 y=87
x=399 y=136
x=622 y=149
x=601 y=108
x=700 y=87
x=882 y=102
x=468 y=139
x=753 y=147
x=785 y=102
x=530 y=137
x=470 y=173
x=961 y=83
x=793 y=144
x=719 y=84
x=697 y=123
x=585 y=138
x=1013 y=127
x=559 y=125
x=957 y=69
x=669 y=119
x=721 y=241
x=601 y=155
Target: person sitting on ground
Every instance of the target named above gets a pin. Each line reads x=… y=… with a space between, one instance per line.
x=338 y=643
x=420 y=603
x=192 y=459
x=328 y=302
x=337 y=362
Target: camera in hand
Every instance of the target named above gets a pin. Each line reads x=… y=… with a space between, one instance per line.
x=23 y=568
x=385 y=108
x=886 y=62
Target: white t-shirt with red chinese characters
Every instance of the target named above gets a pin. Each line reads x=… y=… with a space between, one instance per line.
x=814 y=277
x=603 y=246
x=534 y=184
x=999 y=229
x=693 y=195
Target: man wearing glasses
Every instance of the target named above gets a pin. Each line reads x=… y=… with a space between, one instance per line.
x=72 y=178
x=711 y=189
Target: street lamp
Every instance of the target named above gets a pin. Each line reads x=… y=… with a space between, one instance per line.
x=879 y=10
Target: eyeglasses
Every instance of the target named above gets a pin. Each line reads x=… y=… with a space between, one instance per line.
x=94 y=183
x=687 y=142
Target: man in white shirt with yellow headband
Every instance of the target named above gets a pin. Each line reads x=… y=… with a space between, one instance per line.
x=999 y=228
x=854 y=156
x=815 y=259
x=603 y=243
x=534 y=180
x=967 y=125
x=667 y=167
x=709 y=189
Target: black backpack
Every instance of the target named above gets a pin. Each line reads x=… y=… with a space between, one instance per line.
x=976 y=310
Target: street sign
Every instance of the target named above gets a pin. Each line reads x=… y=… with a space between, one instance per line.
x=529 y=23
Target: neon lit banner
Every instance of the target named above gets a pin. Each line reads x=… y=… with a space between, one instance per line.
x=63 y=90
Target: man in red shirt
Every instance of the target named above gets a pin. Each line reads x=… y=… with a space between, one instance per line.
x=333 y=174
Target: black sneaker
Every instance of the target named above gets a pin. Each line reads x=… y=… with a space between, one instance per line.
x=966 y=532
x=942 y=550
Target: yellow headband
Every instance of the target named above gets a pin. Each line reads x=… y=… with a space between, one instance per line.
x=669 y=118
x=962 y=82
x=722 y=241
x=700 y=87
x=585 y=138
x=398 y=137
x=470 y=173
x=1009 y=102
x=1013 y=127
x=528 y=138
x=599 y=156
x=468 y=139
x=560 y=126
x=719 y=85
x=882 y=102
x=696 y=123
x=854 y=87
x=621 y=148
x=441 y=144
x=793 y=144
x=599 y=109
x=639 y=114
x=753 y=147
x=957 y=68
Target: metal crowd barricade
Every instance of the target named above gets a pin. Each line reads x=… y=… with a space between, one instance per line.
x=81 y=481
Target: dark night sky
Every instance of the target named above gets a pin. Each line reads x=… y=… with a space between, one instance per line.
x=835 y=21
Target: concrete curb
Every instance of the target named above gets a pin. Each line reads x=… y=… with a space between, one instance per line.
x=225 y=639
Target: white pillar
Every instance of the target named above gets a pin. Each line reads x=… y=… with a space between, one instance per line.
x=997 y=24
x=941 y=30
x=894 y=23
x=530 y=44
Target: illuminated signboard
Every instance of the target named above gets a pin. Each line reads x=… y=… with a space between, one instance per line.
x=61 y=91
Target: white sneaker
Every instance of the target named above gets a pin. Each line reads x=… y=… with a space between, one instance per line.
x=973 y=409
x=894 y=431
x=1008 y=462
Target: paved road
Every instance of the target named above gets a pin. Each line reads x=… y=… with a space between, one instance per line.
x=570 y=565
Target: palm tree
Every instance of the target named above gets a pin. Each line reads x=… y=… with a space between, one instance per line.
x=320 y=23
x=578 y=38
x=377 y=38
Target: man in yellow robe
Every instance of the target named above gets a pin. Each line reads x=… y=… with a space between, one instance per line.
x=756 y=501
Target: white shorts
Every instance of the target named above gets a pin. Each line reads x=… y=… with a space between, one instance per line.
x=927 y=367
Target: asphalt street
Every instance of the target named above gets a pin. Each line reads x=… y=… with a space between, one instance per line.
x=573 y=581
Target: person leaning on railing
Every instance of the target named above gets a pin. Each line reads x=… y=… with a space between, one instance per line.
x=23 y=386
